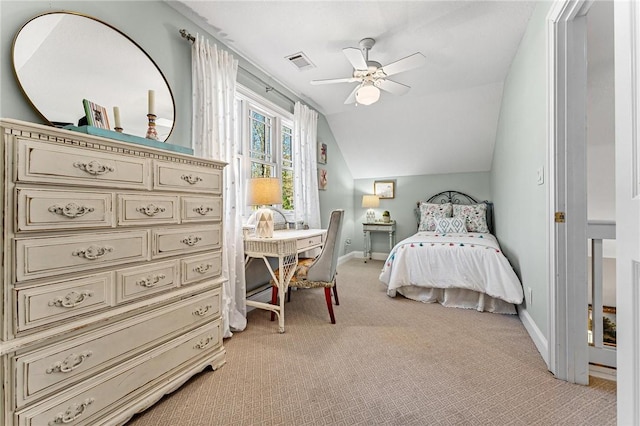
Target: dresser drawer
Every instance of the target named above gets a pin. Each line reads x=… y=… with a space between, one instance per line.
x=44 y=305
x=135 y=209
x=40 y=209
x=197 y=268
x=48 y=370
x=181 y=177
x=142 y=281
x=195 y=209
x=84 y=404
x=173 y=241
x=41 y=162
x=49 y=256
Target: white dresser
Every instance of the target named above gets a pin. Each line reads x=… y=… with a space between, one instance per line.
x=111 y=265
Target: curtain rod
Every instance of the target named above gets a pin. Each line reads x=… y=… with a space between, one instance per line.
x=268 y=88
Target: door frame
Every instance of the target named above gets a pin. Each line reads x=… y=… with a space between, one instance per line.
x=566 y=161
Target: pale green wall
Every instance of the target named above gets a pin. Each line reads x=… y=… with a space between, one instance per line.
x=521 y=143
x=154 y=26
x=408 y=191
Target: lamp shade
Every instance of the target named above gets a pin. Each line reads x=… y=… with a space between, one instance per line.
x=370 y=201
x=367 y=94
x=264 y=191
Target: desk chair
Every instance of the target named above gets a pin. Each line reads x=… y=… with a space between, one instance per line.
x=319 y=271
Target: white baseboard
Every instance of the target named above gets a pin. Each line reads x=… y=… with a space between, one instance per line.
x=374 y=256
x=603 y=372
x=536 y=335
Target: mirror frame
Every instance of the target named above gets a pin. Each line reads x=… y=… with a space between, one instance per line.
x=111 y=27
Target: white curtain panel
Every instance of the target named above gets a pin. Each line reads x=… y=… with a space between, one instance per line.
x=214 y=74
x=305 y=152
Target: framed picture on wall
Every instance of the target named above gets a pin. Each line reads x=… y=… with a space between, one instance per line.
x=322 y=153
x=384 y=188
x=322 y=179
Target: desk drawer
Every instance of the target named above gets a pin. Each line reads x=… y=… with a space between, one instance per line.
x=180 y=177
x=81 y=406
x=44 y=305
x=50 y=369
x=40 y=209
x=309 y=243
x=48 y=256
x=173 y=241
x=40 y=162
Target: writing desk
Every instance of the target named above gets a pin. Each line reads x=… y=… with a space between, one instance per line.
x=285 y=245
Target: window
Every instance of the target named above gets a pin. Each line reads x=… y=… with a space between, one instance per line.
x=266 y=132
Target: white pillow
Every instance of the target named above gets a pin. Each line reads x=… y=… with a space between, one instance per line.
x=431 y=211
x=476 y=216
x=452 y=225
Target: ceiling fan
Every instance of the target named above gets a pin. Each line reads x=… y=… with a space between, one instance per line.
x=371 y=75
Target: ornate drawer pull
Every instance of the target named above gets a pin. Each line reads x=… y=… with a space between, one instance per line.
x=92 y=252
x=202 y=210
x=71 y=300
x=73 y=412
x=191 y=179
x=150 y=281
x=204 y=342
x=191 y=240
x=202 y=311
x=71 y=210
x=202 y=268
x=150 y=209
x=70 y=363
x=94 y=167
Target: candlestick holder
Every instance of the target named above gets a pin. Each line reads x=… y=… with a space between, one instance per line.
x=151 y=131
x=118 y=129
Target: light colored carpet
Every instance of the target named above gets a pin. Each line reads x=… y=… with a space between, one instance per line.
x=386 y=362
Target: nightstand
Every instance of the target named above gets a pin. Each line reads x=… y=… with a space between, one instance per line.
x=368 y=228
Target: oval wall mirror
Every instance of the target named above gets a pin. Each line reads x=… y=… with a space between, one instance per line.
x=61 y=58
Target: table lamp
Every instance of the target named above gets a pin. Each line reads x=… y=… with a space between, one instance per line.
x=370 y=202
x=263 y=192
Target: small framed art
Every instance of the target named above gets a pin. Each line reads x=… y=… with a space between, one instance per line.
x=322 y=153
x=96 y=115
x=384 y=188
x=322 y=179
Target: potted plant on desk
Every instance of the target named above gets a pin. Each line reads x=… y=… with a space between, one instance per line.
x=386 y=217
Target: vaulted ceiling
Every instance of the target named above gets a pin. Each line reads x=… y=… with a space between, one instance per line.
x=446 y=123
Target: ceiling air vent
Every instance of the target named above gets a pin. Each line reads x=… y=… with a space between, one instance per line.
x=300 y=61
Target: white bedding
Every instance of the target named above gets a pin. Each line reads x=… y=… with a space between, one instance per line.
x=463 y=270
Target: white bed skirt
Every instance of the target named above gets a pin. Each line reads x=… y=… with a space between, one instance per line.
x=456 y=298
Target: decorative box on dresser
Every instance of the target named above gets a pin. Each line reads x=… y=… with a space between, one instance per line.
x=112 y=273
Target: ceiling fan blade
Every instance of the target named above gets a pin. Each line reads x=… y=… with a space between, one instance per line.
x=405 y=64
x=393 y=87
x=351 y=99
x=335 y=80
x=356 y=58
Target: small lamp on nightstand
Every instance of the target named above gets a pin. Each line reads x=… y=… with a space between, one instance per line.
x=264 y=192
x=370 y=202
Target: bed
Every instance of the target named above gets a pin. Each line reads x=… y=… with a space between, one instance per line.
x=454 y=258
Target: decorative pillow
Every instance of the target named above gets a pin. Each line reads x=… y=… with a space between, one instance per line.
x=448 y=225
x=476 y=216
x=429 y=212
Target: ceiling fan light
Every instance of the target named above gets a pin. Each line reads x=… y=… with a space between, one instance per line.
x=367 y=95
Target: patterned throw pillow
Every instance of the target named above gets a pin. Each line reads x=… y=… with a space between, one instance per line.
x=450 y=225
x=429 y=212
x=476 y=216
